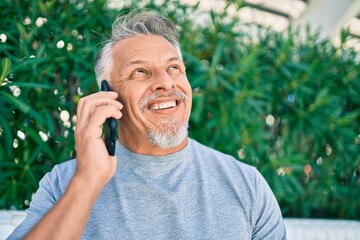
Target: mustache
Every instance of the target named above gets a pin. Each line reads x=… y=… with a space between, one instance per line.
x=156 y=95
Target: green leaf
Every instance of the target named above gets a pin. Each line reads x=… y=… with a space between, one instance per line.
x=5 y=69
x=21 y=105
x=29 y=85
x=6 y=136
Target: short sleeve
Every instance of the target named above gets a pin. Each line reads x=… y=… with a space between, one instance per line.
x=268 y=221
x=49 y=192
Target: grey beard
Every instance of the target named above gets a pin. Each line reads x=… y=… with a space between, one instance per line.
x=171 y=133
x=168 y=136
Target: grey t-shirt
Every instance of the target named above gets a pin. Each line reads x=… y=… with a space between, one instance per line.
x=196 y=193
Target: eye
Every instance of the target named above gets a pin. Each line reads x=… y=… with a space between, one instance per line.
x=139 y=73
x=174 y=69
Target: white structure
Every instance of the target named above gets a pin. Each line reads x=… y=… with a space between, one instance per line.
x=328 y=16
x=297 y=229
x=331 y=16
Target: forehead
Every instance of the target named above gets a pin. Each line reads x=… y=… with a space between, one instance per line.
x=143 y=48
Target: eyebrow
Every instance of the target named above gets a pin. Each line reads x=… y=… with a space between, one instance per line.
x=137 y=62
x=174 y=59
x=134 y=62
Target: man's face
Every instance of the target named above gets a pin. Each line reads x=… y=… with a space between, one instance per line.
x=149 y=75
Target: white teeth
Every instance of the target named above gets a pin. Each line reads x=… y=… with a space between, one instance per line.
x=163 y=105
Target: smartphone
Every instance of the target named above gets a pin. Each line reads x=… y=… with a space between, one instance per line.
x=110 y=126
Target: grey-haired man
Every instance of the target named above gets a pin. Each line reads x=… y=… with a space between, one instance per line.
x=160 y=184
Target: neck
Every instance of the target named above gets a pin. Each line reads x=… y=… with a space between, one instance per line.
x=142 y=145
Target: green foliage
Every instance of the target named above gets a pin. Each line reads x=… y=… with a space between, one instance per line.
x=287 y=104
x=46 y=65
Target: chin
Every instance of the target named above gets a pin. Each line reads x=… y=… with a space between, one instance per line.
x=168 y=137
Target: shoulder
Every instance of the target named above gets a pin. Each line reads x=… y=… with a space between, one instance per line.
x=59 y=177
x=53 y=185
x=221 y=160
x=223 y=169
x=65 y=170
x=246 y=182
x=51 y=188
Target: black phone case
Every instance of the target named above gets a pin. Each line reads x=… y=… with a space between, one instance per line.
x=110 y=126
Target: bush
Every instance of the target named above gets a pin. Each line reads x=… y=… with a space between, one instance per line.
x=47 y=64
x=287 y=105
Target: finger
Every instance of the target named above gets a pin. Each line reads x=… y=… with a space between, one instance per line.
x=113 y=104
x=100 y=114
x=92 y=97
x=87 y=105
x=92 y=128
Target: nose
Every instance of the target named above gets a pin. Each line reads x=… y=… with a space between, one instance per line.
x=163 y=81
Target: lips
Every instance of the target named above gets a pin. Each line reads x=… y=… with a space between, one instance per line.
x=163 y=105
x=158 y=101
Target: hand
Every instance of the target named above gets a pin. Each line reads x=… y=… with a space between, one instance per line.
x=94 y=164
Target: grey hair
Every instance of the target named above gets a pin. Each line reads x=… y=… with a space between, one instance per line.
x=134 y=23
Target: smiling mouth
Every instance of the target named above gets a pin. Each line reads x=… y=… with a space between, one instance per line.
x=159 y=101
x=163 y=105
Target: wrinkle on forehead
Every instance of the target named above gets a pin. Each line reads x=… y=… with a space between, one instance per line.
x=139 y=45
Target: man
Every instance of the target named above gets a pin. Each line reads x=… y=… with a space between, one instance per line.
x=160 y=184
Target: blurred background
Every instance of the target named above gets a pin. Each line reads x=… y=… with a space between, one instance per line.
x=276 y=84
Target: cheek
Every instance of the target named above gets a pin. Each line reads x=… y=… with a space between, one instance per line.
x=186 y=87
x=182 y=82
x=130 y=97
